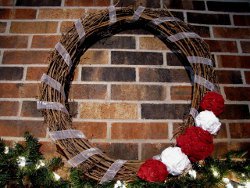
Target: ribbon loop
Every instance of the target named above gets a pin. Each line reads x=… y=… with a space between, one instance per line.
x=51 y=106
x=65 y=55
x=182 y=35
x=112 y=14
x=83 y=156
x=138 y=12
x=64 y=134
x=53 y=83
x=112 y=171
x=158 y=21
x=80 y=29
x=201 y=60
x=202 y=81
x=193 y=112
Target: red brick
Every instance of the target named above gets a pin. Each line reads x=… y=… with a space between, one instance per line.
x=227 y=6
x=7 y=3
x=5 y=13
x=136 y=58
x=239 y=130
x=237 y=33
x=133 y=3
x=108 y=74
x=49 y=149
x=17 y=128
x=127 y=151
x=231 y=61
x=203 y=31
x=181 y=92
x=35 y=73
x=25 y=57
x=139 y=131
x=222 y=46
x=44 y=41
x=29 y=109
x=60 y=13
x=229 y=77
x=242 y=20
x=222 y=133
x=33 y=27
x=108 y=111
x=247 y=76
x=87 y=3
x=11 y=73
x=9 y=108
x=115 y=42
x=152 y=43
x=232 y=93
x=66 y=25
x=176 y=128
x=138 y=92
x=38 y=3
x=3 y=27
x=92 y=130
x=88 y=91
x=19 y=90
x=235 y=111
x=17 y=14
x=164 y=111
x=215 y=19
x=222 y=148
x=245 y=46
x=179 y=4
x=163 y=75
x=95 y=57
x=150 y=150
x=73 y=109
x=13 y=42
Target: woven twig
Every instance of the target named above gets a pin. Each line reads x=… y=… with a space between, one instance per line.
x=97 y=26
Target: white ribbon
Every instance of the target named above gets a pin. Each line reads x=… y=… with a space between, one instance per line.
x=202 y=81
x=53 y=83
x=193 y=112
x=64 y=134
x=138 y=12
x=112 y=171
x=182 y=35
x=201 y=60
x=112 y=14
x=158 y=21
x=51 y=106
x=80 y=29
x=65 y=55
x=83 y=156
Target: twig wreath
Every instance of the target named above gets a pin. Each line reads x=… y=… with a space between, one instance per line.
x=178 y=36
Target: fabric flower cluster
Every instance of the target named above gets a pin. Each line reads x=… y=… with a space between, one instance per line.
x=195 y=144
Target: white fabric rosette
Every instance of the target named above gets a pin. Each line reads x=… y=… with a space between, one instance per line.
x=208 y=122
x=175 y=160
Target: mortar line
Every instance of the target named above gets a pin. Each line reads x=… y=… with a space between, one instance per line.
x=139 y=151
x=109 y=127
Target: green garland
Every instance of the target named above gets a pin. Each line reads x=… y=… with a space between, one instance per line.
x=34 y=171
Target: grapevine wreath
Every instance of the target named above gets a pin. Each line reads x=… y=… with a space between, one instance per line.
x=194 y=143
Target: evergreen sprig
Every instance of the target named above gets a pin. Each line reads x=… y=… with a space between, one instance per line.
x=30 y=174
x=210 y=173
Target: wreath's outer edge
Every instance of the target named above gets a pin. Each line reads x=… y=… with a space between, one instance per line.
x=96 y=26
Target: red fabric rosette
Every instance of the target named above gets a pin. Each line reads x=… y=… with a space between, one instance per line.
x=196 y=143
x=214 y=102
x=153 y=171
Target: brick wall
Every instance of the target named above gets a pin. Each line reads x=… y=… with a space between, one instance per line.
x=129 y=92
